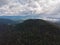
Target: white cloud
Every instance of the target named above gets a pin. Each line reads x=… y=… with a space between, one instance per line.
x=28 y=7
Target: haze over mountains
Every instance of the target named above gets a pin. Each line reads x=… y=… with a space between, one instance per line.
x=12 y=21
x=6 y=21
x=9 y=21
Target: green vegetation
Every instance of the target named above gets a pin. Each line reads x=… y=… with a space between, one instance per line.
x=31 y=32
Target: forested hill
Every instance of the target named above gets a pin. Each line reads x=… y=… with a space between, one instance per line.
x=31 y=32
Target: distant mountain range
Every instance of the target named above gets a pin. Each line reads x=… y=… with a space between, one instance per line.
x=6 y=21
x=9 y=21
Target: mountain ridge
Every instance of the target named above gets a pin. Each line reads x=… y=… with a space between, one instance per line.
x=31 y=32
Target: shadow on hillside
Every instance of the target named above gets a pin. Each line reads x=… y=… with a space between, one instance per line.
x=30 y=32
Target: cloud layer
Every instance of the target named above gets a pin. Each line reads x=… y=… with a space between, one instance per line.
x=29 y=7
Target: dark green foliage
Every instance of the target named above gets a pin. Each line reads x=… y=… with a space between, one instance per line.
x=31 y=32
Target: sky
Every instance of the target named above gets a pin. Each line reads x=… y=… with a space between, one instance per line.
x=44 y=9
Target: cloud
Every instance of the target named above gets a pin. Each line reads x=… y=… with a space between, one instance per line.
x=29 y=7
x=2 y=2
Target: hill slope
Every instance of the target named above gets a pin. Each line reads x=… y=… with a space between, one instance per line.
x=6 y=21
x=32 y=32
